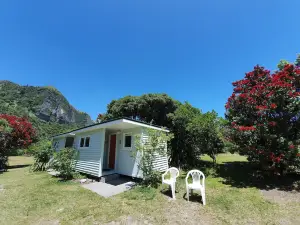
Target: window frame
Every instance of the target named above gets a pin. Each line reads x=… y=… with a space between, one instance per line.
x=124 y=138
x=56 y=145
x=84 y=142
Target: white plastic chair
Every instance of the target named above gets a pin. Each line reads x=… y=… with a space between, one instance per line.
x=174 y=173
x=196 y=184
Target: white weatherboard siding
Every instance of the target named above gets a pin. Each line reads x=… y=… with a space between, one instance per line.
x=89 y=160
x=161 y=161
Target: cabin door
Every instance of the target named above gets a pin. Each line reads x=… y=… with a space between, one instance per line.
x=112 y=151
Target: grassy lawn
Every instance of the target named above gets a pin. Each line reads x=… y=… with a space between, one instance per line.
x=37 y=198
x=225 y=157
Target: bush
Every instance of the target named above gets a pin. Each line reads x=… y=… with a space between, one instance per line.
x=15 y=132
x=147 y=152
x=42 y=152
x=64 y=162
x=263 y=112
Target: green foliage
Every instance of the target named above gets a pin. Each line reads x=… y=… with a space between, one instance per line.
x=282 y=64
x=42 y=152
x=4 y=126
x=195 y=134
x=205 y=136
x=5 y=139
x=148 y=150
x=151 y=108
x=297 y=63
x=64 y=162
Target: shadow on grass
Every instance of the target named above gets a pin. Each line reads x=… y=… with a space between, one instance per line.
x=195 y=197
x=167 y=192
x=18 y=166
x=13 y=167
x=245 y=174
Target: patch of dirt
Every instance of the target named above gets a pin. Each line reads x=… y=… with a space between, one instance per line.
x=281 y=197
x=49 y=222
x=192 y=212
x=289 y=221
x=129 y=221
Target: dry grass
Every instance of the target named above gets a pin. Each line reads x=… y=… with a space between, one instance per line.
x=37 y=198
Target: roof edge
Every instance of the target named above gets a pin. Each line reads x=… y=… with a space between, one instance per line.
x=111 y=120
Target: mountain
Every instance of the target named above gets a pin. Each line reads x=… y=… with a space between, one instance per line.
x=45 y=106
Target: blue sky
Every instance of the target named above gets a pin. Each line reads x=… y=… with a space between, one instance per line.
x=97 y=51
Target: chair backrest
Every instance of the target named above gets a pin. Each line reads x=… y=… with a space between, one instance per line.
x=197 y=176
x=174 y=172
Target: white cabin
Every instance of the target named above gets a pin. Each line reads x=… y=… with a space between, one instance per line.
x=106 y=148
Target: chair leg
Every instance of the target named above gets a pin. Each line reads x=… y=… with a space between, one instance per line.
x=187 y=194
x=203 y=197
x=173 y=190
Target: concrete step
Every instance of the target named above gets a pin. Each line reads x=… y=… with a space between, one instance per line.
x=109 y=177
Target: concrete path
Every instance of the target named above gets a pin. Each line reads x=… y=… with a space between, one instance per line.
x=107 y=190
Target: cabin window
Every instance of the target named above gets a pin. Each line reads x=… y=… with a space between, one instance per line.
x=127 y=140
x=69 y=142
x=81 y=142
x=85 y=142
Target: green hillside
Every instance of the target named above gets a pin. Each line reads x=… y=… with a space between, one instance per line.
x=48 y=110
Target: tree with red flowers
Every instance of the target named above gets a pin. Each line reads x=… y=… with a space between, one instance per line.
x=264 y=112
x=15 y=132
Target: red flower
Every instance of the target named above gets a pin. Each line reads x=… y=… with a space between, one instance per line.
x=298 y=155
x=273 y=106
x=292 y=146
x=261 y=107
x=244 y=128
x=272 y=123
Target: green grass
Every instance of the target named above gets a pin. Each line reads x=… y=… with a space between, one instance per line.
x=226 y=157
x=33 y=198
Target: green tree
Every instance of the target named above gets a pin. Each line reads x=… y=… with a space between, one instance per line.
x=149 y=108
x=297 y=63
x=5 y=140
x=181 y=149
x=264 y=115
x=206 y=136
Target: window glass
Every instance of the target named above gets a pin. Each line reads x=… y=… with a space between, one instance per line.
x=127 y=141
x=81 y=142
x=87 y=142
x=69 y=142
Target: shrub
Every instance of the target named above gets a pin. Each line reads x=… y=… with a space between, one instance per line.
x=64 y=162
x=15 y=132
x=263 y=112
x=42 y=152
x=147 y=152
